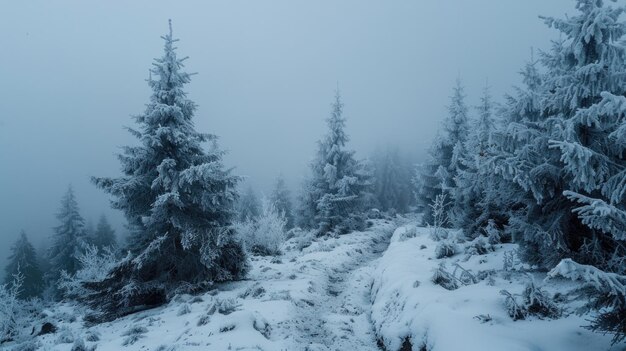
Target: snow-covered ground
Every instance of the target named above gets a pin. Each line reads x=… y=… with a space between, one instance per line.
x=314 y=299
x=363 y=291
x=407 y=304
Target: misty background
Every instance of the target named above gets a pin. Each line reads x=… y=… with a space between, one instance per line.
x=73 y=72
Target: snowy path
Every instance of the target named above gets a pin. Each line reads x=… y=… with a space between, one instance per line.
x=336 y=313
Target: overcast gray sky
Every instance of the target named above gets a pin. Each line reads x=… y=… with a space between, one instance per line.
x=72 y=72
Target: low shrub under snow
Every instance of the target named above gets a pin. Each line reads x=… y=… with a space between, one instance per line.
x=264 y=234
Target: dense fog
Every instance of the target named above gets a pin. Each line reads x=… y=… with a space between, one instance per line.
x=74 y=72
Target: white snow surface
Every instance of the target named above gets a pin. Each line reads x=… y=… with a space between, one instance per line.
x=407 y=304
x=345 y=293
x=314 y=299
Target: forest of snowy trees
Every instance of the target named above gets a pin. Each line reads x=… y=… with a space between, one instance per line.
x=548 y=170
x=545 y=169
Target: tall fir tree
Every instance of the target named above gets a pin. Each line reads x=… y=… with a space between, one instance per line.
x=568 y=153
x=306 y=206
x=480 y=136
x=585 y=101
x=518 y=143
x=23 y=260
x=177 y=197
x=69 y=238
x=104 y=235
x=392 y=180
x=437 y=175
x=281 y=199
x=428 y=183
x=43 y=260
x=565 y=151
x=470 y=211
x=335 y=195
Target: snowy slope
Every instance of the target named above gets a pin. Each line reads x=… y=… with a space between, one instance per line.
x=407 y=304
x=314 y=299
x=365 y=291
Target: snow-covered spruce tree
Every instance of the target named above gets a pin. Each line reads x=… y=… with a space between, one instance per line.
x=428 y=183
x=248 y=205
x=470 y=212
x=43 y=261
x=526 y=172
x=281 y=199
x=392 y=180
x=178 y=199
x=517 y=142
x=23 y=260
x=586 y=98
x=339 y=183
x=569 y=158
x=306 y=204
x=69 y=238
x=104 y=235
x=438 y=174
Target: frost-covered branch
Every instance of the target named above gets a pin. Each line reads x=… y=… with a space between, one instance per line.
x=607 y=293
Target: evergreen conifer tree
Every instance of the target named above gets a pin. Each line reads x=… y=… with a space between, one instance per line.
x=438 y=174
x=69 y=239
x=178 y=199
x=281 y=199
x=334 y=197
x=104 y=235
x=43 y=260
x=565 y=145
x=392 y=178
x=470 y=212
x=585 y=101
x=517 y=144
x=306 y=204
x=23 y=260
